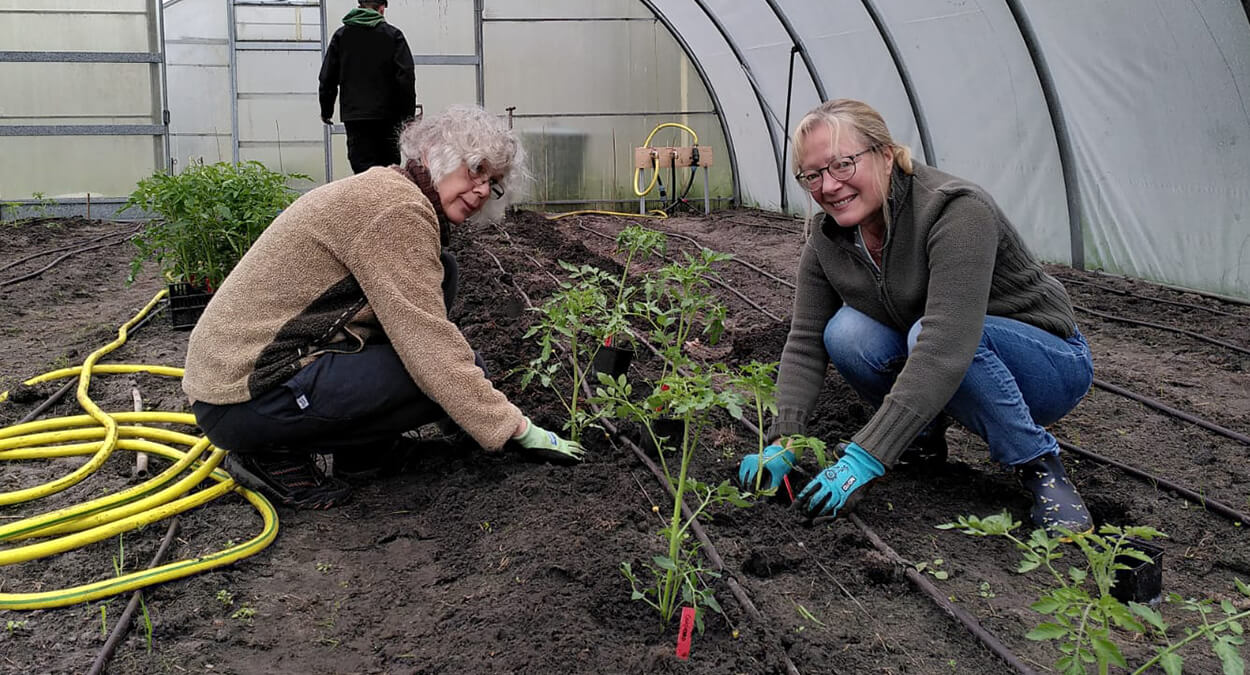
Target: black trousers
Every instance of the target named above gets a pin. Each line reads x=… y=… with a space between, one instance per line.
x=372 y=143
x=338 y=402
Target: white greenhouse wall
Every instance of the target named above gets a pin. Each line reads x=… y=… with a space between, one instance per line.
x=82 y=106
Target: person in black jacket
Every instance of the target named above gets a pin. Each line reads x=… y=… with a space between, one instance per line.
x=369 y=60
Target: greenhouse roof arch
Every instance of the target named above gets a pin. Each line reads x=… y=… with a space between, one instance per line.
x=1098 y=127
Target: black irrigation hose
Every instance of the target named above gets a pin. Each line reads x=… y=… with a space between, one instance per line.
x=1180 y=414
x=123 y=623
x=1117 y=291
x=1159 y=326
x=52 y=264
x=1179 y=289
x=709 y=549
x=754 y=305
x=957 y=613
x=1206 y=502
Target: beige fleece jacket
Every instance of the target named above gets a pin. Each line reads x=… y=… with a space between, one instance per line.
x=350 y=260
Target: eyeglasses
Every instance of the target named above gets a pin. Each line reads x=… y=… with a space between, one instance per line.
x=841 y=168
x=480 y=177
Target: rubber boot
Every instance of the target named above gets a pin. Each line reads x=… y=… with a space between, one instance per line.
x=1056 y=502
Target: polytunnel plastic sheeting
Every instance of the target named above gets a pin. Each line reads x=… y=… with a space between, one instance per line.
x=746 y=128
x=765 y=45
x=980 y=95
x=1155 y=96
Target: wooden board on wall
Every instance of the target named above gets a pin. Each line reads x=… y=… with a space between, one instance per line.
x=683 y=156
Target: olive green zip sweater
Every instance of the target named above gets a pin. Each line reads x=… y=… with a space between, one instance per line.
x=351 y=260
x=950 y=258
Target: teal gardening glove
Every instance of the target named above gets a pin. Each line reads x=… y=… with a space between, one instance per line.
x=832 y=488
x=548 y=446
x=776 y=462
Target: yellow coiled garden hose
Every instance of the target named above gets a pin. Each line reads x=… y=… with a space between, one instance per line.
x=655 y=160
x=655 y=174
x=98 y=434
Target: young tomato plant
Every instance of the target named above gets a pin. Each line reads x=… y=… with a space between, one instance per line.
x=678 y=576
x=207 y=218
x=677 y=298
x=572 y=324
x=1082 y=621
x=636 y=242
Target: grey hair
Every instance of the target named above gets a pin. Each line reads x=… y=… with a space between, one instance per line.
x=470 y=135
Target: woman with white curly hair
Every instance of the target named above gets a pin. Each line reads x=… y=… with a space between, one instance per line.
x=332 y=336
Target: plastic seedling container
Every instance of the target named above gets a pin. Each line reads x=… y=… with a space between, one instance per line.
x=186 y=304
x=612 y=361
x=673 y=428
x=1143 y=581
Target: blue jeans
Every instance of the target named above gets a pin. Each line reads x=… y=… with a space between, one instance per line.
x=1021 y=377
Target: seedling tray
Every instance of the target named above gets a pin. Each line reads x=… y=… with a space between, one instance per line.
x=186 y=304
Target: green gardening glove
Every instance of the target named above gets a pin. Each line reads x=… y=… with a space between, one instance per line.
x=546 y=445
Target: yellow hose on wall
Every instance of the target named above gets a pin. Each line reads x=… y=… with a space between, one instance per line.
x=98 y=434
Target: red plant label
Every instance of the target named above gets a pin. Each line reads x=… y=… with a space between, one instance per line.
x=684 y=632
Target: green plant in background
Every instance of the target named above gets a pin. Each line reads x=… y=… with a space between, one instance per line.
x=206 y=218
x=677 y=299
x=572 y=324
x=678 y=576
x=1082 y=621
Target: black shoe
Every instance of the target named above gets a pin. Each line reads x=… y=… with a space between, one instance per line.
x=1056 y=502
x=291 y=479
x=363 y=464
x=929 y=449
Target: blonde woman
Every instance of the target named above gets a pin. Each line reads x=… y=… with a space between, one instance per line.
x=922 y=294
x=331 y=335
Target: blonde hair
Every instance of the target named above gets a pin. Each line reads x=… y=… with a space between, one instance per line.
x=862 y=120
x=470 y=135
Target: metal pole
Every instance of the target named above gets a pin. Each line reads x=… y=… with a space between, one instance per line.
x=785 y=134
x=327 y=136
x=164 y=79
x=1067 y=158
x=477 y=49
x=234 y=81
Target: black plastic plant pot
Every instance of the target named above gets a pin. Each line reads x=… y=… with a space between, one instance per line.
x=1143 y=581
x=186 y=304
x=672 y=428
x=612 y=361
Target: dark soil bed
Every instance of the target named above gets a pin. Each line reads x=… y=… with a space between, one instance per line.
x=468 y=562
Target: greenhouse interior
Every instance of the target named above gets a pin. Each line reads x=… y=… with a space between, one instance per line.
x=531 y=372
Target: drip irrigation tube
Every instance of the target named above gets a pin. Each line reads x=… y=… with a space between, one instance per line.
x=1179 y=414
x=1207 y=503
x=1159 y=326
x=45 y=268
x=1161 y=301
x=63 y=248
x=123 y=622
x=968 y=621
